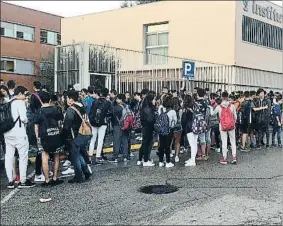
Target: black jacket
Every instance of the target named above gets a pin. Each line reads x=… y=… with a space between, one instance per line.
x=187 y=121
x=107 y=110
x=72 y=122
x=147 y=117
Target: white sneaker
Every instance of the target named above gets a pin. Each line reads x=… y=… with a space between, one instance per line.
x=148 y=163
x=50 y=173
x=169 y=165
x=137 y=138
x=40 y=178
x=139 y=163
x=111 y=144
x=67 y=163
x=190 y=163
x=89 y=168
x=132 y=154
x=68 y=171
x=171 y=155
x=177 y=159
x=173 y=152
x=161 y=164
x=218 y=150
x=140 y=139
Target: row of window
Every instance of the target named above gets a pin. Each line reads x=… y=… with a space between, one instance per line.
x=25 y=67
x=261 y=33
x=12 y=30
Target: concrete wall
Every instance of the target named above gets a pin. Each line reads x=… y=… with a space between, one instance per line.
x=200 y=30
x=30 y=50
x=251 y=55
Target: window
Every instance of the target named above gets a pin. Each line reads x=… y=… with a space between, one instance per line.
x=50 y=37
x=156 y=43
x=261 y=33
x=7 y=65
x=18 y=66
x=17 y=31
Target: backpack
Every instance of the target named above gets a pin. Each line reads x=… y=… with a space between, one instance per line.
x=227 y=119
x=85 y=128
x=6 y=118
x=51 y=137
x=199 y=124
x=127 y=119
x=162 y=125
x=96 y=115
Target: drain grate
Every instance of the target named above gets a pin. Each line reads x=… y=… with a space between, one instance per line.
x=158 y=189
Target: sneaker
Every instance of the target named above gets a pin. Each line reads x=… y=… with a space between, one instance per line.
x=187 y=161
x=126 y=160
x=68 y=171
x=258 y=147
x=138 y=138
x=161 y=164
x=132 y=155
x=223 y=161
x=46 y=184
x=40 y=178
x=171 y=155
x=11 y=185
x=173 y=152
x=89 y=168
x=27 y=184
x=177 y=159
x=114 y=160
x=139 y=163
x=205 y=158
x=88 y=175
x=148 y=163
x=17 y=180
x=268 y=147
x=234 y=160
x=190 y=163
x=67 y=164
x=99 y=161
x=218 y=150
x=169 y=165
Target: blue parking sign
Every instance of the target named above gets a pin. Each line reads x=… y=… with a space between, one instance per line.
x=189 y=70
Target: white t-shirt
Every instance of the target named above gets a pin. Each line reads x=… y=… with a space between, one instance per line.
x=18 y=110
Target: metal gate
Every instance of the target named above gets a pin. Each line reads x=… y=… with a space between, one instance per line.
x=129 y=70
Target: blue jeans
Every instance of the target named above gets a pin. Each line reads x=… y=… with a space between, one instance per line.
x=78 y=147
x=120 y=141
x=276 y=130
x=205 y=137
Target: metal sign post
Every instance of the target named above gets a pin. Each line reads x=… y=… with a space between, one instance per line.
x=189 y=73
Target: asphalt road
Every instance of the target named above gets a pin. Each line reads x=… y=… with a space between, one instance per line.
x=209 y=194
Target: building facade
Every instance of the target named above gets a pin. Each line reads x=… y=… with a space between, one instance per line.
x=233 y=43
x=28 y=40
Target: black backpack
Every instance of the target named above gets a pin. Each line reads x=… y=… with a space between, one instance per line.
x=6 y=118
x=50 y=132
x=97 y=115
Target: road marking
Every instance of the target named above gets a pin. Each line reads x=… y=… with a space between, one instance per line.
x=13 y=192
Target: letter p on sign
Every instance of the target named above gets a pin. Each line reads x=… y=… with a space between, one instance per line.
x=188 y=70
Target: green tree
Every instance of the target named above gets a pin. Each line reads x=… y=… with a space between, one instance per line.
x=126 y=4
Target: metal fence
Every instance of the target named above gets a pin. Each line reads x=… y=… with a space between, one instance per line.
x=128 y=70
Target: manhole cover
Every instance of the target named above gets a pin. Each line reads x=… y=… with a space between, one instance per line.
x=158 y=189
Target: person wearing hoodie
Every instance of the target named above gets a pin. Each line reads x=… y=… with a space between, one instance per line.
x=224 y=110
x=47 y=124
x=75 y=142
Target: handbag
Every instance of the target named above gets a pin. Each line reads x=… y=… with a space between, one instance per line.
x=85 y=128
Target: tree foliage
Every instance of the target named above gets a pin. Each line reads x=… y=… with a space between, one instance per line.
x=126 y=4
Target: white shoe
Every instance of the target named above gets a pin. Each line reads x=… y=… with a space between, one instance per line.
x=190 y=163
x=67 y=163
x=139 y=163
x=148 y=163
x=171 y=155
x=137 y=138
x=68 y=171
x=132 y=155
x=50 y=173
x=169 y=165
x=40 y=178
x=89 y=168
x=177 y=159
x=187 y=161
x=218 y=150
x=173 y=152
x=161 y=164
x=140 y=139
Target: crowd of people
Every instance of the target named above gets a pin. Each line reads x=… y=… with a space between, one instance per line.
x=76 y=123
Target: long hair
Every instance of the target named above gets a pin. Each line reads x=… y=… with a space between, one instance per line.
x=148 y=101
x=188 y=102
x=176 y=103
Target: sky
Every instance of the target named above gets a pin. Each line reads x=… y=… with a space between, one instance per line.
x=74 y=8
